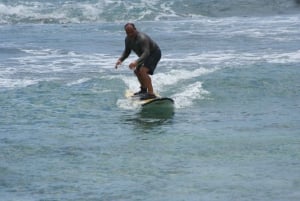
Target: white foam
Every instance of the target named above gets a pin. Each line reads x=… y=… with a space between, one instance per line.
x=166 y=11
x=127 y=104
x=161 y=80
x=6 y=71
x=34 y=11
x=49 y=60
x=131 y=82
x=189 y=94
x=79 y=81
x=16 y=83
x=233 y=58
x=48 y=64
x=282 y=58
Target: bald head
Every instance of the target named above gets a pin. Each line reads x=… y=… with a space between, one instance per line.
x=130 y=30
x=129 y=25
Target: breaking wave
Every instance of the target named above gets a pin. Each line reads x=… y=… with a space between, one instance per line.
x=90 y=11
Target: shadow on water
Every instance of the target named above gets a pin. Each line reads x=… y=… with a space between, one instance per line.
x=151 y=119
x=147 y=120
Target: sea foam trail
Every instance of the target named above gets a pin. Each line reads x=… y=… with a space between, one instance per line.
x=189 y=94
x=163 y=83
x=162 y=80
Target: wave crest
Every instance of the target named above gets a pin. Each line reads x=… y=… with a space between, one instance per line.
x=86 y=11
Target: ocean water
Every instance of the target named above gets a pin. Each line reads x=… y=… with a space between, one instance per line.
x=68 y=133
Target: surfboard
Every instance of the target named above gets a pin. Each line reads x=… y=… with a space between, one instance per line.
x=154 y=103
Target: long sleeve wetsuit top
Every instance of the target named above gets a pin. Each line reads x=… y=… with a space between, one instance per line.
x=142 y=45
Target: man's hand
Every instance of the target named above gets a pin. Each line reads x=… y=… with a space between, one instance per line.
x=119 y=62
x=133 y=65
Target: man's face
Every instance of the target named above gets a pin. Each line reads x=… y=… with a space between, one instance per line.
x=131 y=32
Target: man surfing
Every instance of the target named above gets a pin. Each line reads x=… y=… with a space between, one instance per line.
x=149 y=55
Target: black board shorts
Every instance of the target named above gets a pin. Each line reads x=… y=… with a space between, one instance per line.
x=151 y=61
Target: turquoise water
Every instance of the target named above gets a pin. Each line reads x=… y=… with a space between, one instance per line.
x=68 y=133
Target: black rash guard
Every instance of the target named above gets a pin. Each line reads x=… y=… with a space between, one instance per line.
x=142 y=45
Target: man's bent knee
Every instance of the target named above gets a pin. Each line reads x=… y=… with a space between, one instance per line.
x=144 y=70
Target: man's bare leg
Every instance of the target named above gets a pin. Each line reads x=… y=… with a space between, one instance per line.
x=145 y=79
